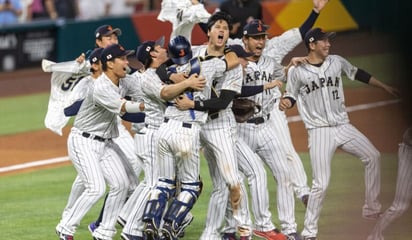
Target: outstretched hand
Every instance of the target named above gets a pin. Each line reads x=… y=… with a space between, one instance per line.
x=318 y=5
x=392 y=90
x=81 y=58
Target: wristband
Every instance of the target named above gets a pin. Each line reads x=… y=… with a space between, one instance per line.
x=132 y=107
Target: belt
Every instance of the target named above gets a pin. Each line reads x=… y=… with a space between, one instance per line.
x=184 y=124
x=150 y=125
x=94 y=137
x=258 y=120
x=214 y=115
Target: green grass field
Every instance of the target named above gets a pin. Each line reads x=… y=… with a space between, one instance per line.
x=31 y=203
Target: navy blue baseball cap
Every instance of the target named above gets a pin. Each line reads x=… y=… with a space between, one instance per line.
x=106 y=30
x=240 y=51
x=144 y=49
x=255 y=27
x=94 y=56
x=114 y=51
x=316 y=34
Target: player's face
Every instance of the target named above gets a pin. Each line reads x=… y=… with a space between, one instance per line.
x=321 y=48
x=119 y=66
x=107 y=41
x=255 y=44
x=159 y=53
x=219 y=33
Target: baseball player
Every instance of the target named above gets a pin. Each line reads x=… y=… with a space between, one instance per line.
x=403 y=194
x=91 y=148
x=105 y=36
x=152 y=55
x=219 y=138
x=249 y=164
x=317 y=88
x=257 y=133
x=277 y=48
x=179 y=145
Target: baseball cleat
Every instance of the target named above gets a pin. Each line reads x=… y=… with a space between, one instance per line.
x=270 y=235
x=63 y=236
x=310 y=238
x=293 y=236
x=150 y=232
x=168 y=232
x=92 y=226
x=229 y=236
x=180 y=232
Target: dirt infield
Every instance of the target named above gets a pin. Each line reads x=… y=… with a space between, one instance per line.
x=383 y=125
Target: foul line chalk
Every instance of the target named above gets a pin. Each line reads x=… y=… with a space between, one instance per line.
x=34 y=164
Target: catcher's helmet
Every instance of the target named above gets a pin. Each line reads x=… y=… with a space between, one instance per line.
x=180 y=50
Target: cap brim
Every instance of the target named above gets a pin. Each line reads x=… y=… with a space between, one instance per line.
x=329 y=35
x=116 y=31
x=129 y=52
x=257 y=34
x=160 y=41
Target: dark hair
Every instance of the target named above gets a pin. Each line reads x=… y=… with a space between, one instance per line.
x=148 y=62
x=104 y=66
x=220 y=16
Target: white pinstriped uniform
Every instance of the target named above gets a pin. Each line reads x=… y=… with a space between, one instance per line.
x=125 y=142
x=263 y=140
x=127 y=210
x=97 y=162
x=179 y=146
x=403 y=194
x=218 y=137
x=321 y=104
x=280 y=125
x=146 y=140
x=276 y=48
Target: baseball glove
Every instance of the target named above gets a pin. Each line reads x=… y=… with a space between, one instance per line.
x=244 y=108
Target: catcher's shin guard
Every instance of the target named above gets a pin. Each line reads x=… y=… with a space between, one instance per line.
x=159 y=197
x=181 y=205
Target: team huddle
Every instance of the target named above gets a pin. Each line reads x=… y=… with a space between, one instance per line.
x=182 y=103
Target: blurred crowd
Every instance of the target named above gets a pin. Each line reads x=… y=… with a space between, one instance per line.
x=23 y=11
